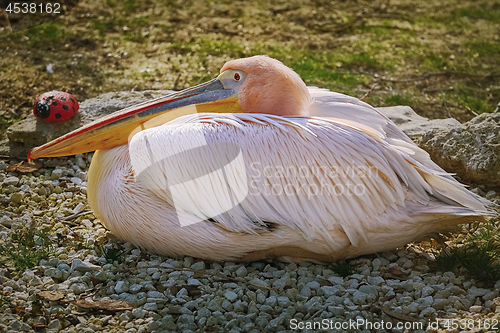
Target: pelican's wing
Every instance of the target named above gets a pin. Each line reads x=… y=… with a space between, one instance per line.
x=313 y=175
x=351 y=110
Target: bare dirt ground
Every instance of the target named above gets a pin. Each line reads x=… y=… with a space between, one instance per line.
x=439 y=57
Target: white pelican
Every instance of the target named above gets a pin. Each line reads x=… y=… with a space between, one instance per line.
x=254 y=164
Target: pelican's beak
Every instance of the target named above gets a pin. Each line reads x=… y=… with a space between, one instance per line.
x=116 y=128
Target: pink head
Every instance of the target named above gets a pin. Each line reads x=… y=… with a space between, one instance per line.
x=267 y=86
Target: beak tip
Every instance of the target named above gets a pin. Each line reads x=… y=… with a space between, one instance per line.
x=30 y=157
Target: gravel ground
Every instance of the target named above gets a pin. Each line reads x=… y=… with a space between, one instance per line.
x=188 y=295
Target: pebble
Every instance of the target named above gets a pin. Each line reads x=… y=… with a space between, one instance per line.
x=11 y=181
x=231 y=295
x=56 y=174
x=82 y=266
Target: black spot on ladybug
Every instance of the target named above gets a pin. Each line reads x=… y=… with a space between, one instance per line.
x=58 y=115
x=74 y=111
x=42 y=109
x=54 y=103
x=65 y=107
x=63 y=99
x=72 y=100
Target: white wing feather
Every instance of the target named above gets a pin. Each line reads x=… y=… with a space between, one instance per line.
x=379 y=167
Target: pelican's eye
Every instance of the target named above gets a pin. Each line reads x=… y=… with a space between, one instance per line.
x=237 y=76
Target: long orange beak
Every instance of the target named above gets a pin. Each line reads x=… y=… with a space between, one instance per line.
x=114 y=130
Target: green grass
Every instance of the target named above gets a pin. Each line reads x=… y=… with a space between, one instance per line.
x=112 y=253
x=478 y=256
x=435 y=62
x=52 y=34
x=398 y=99
x=477 y=13
x=475 y=104
x=483 y=48
x=343 y=268
x=26 y=248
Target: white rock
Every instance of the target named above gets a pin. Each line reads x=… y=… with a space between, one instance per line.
x=121 y=287
x=231 y=295
x=359 y=297
x=475 y=308
x=427 y=291
x=78 y=288
x=11 y=181
x=6 y=221
x=477 y=292
x=56 y=174
x=82 y=266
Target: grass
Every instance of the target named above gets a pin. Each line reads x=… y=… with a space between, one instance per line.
x=175 y=38
x=343 y=268
x=26 y=248
x=50 y=33
x=112 y=254
x=478 y=256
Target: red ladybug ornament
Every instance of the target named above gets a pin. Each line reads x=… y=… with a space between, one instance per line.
x=55 y=106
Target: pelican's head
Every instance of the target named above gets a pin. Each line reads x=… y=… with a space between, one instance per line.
x=265 y=85
x=257 y=84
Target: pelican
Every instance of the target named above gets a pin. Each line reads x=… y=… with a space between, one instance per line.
x=256 y=165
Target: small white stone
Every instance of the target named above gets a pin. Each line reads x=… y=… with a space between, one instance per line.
x=359 y=297
x=76 y=180
x=81 y=266
x=11 y=181
x=78 y=288
x=121 y=287
x=151 y=307
x=6 y=221
x=475 y=308
x=56 y=174
x=231 y=295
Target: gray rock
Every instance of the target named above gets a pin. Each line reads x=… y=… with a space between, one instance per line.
x=367 y=289
x=426 y=291
x=359 y=297
x=78 y=288
x=231 y=295
x=56 y=174
x=16 y=197
x=477 y=292
x=471 y=150
x=11 y=181
x=193 y=282
x=440 y=303
x=121 y=287
x=135 y=288
x=427 y=312
x=336 y=280
x=155 y=294
x=32 y=131
x=271 y=301
x=6 y=221
x=82 y=266
x=414 y=125
x=76 y=180
x=475 y=308
x=151 y=306
x=241 y=272
x=375 y=280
